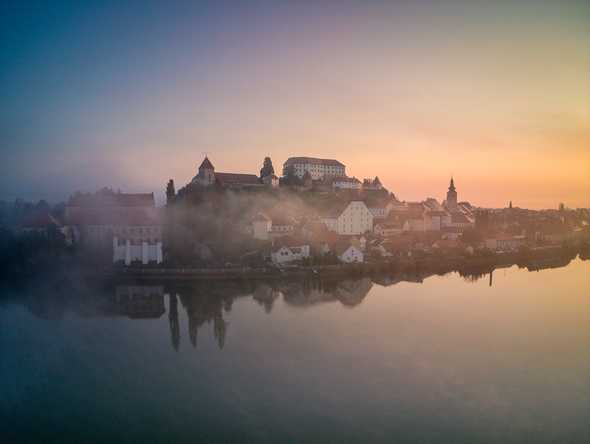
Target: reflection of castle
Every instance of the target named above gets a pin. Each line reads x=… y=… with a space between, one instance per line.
x=209 y=303
x=135 y=301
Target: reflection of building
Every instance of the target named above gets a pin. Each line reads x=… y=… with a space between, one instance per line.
x=140 y=301
x=347 y=292
x=266 y=296
x=204 y=308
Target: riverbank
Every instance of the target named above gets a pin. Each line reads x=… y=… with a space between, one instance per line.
x=475 y=264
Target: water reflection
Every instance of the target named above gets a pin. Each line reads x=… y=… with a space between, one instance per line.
x=206 y=304
x=390 y=358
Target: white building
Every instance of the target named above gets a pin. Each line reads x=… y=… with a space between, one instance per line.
x=346 y=183
x=317 y=168
x=354 y=219
x=127 y=252
x=349 y=254
x=285 y=254
x=380 y=210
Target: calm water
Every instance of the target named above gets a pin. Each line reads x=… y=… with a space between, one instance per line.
x=450 y=359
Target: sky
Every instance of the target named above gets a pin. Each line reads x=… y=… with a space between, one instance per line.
x=131 y=94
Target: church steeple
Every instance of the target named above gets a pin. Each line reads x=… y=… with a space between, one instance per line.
x=451 y=202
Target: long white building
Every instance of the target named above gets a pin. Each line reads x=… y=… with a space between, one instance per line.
x=317 y=168
x=354 y=219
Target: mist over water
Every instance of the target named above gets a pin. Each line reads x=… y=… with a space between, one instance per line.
x=450 y=359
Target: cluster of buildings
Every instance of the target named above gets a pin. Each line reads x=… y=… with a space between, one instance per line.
x=368 y=220
x=354 y=219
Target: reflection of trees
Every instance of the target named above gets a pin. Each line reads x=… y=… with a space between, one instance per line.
x=173 y=319
x=265 y=295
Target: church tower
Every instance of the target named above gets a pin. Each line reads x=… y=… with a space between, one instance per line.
x=452 y=196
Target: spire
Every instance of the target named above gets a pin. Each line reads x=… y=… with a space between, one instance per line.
x=452 y=185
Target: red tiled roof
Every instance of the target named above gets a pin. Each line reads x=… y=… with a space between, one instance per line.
x=236 y=179
x=113 y=200
x=101 y=216
x=289 y=241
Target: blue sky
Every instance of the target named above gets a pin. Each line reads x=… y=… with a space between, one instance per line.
x=129 y=94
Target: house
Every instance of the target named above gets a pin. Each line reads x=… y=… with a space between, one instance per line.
x=460 y=220
x=352 y=218
x=317 y=168
x=434 y=220
x=273 y=225
x=289 y=249
x=137 y=240
x=281 y=225
x=380 y=209
x=452 y=233
x=345 y=183
x=348 y=253
x=388 y=229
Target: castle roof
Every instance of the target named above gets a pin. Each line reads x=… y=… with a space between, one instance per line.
x=237 y=179
x=111 y=199
x=206 y=164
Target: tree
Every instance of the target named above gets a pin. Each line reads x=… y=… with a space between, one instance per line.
x=170 y=192
x=290 y=177
x=267 y=168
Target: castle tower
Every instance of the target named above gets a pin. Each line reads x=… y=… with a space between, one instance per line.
x=206 y=174
x=452 y=196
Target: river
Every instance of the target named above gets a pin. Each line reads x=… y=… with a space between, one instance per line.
x=453 y=359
